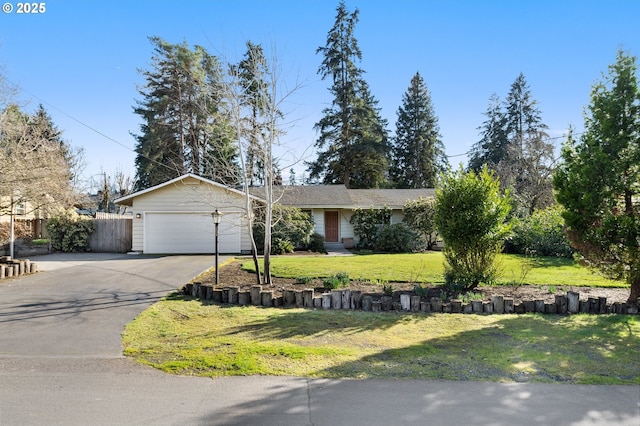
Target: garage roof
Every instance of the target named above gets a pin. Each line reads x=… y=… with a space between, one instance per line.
x=128 y=200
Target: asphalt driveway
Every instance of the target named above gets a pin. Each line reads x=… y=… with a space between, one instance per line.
x=80 y=303
x=61 y=363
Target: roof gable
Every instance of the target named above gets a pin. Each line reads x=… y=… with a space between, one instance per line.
x=186 y=179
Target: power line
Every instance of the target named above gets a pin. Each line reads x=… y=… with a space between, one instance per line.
x=109 y=138
x=544 y=140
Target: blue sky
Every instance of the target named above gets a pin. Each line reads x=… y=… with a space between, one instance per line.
x=81 y=59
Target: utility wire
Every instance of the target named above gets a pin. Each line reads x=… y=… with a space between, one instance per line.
x=89 y=127
x=544 y=140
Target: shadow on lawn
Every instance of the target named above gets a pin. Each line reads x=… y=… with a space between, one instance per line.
x=526 y=348
x=511 y=350
x=522 y=348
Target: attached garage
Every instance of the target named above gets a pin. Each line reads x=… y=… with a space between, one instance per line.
x=190 y=233
x=176 y=218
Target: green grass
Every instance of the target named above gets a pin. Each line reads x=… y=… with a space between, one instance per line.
x=427 y=268
x=188 y=337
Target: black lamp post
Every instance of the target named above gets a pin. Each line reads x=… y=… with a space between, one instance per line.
x=217 y=216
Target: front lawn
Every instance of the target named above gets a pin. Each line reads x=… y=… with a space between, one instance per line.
x=427 y=268
x=185 y=336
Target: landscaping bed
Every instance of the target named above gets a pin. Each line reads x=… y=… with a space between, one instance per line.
x=232 y=274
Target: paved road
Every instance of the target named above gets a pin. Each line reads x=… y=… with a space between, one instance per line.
x=61 y=363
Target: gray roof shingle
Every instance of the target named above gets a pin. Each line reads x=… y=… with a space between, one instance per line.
x=338 y=196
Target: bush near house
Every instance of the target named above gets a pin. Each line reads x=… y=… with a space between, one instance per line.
x=69 y=232
x=541 y=234
x=20 y=230
x=396 y=238
x=367 y=224
x=291 y=228
x=419 y=215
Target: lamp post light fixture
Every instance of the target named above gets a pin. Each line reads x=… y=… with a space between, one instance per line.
x=217 y=216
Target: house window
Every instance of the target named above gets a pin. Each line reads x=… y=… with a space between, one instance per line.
x=20 y=209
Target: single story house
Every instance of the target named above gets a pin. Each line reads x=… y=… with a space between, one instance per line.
x=176 y=216
x=332 y=206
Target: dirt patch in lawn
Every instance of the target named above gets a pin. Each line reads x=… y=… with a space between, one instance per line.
x=232 y=274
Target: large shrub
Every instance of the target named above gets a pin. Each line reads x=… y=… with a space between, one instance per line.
x=396 y=238
x=316 y=243
x=20 y=230
x=367 y=223
x=541 y=234
x=471 y=216
x=419 y=215
x=69 y=232
x=291 y=228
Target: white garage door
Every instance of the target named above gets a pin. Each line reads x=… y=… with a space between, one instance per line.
x=174 y=233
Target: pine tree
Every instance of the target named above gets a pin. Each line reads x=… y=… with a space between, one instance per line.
x=352 y=145
x=183 y=122
x=418 y=151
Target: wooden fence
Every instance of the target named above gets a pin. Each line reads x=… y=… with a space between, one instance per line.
x=112 y=233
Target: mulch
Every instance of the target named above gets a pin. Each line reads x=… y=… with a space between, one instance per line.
x=233 y=275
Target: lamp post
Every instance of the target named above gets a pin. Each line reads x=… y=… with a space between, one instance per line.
x=217 y=216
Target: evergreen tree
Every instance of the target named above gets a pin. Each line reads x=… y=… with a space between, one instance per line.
x=352 y=143
x=251 y=73
x=418 y=151
x=492 y=147
x=183 y=122
x=529 y=163
x=371 y=148
x=515 y=145
x=41 y=126
x=599 y=181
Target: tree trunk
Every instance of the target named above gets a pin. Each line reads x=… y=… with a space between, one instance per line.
x=635 y=291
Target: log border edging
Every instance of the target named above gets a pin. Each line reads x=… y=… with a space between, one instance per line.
x=13 y=268
x=346 y=299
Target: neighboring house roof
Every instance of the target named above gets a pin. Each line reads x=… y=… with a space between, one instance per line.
x=338 y=196
x=128 y=200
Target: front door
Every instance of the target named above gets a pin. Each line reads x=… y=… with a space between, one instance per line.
x=331 y=227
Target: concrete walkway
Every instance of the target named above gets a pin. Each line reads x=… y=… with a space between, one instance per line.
x=61 y=363
x=336 y=249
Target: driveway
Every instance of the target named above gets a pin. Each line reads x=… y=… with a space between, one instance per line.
x=61 y=363
x=79 y=305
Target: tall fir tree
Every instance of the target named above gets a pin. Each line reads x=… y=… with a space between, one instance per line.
x=352 y=144
x=182 y=113
x=514 y=143
x=251 y=72
x=528 y=166
x=492 y=148
x=417 y=151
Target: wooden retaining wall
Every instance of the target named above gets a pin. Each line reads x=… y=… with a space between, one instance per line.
x=15 y=268
x=355 y=300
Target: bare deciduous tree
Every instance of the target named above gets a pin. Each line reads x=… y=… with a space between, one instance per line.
x=35 y=172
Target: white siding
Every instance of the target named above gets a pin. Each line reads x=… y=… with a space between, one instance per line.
x=190 y=233
x=188 y=196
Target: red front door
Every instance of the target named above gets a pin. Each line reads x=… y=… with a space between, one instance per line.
x=331 y=227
